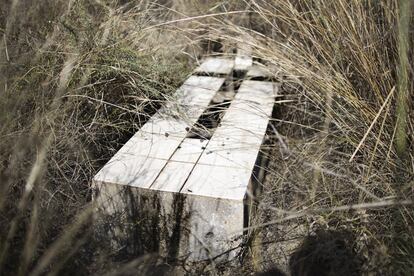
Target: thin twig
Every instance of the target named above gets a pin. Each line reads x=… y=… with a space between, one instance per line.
x=372 y=124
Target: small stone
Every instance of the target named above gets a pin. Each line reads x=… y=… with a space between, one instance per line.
x=202 y=134
x=229 y=95
x=218 y=98
x=209 y=235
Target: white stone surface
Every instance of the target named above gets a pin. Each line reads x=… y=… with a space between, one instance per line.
x=216 y=65
x=142 y=158
x=225 y=167
x=196 y=187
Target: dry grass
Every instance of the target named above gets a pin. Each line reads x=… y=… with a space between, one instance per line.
x=338 y=61
x=78 y=78
x=77 y=81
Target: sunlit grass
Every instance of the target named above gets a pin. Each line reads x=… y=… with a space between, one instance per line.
x=78 y=78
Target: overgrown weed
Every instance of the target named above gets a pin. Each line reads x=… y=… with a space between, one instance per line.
x=336 y=147
x=338 y=61
x=78 y=79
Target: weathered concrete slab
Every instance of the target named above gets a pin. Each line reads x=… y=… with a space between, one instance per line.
x=243 y=60
x=185 y=196
x=142 y=158
x=231 y=154
x=179 y=166
x=216 y=65
x=258 y=71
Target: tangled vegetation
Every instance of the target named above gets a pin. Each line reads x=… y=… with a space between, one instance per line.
x=78 y=78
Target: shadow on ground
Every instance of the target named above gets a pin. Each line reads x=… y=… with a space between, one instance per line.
x=324 y=253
